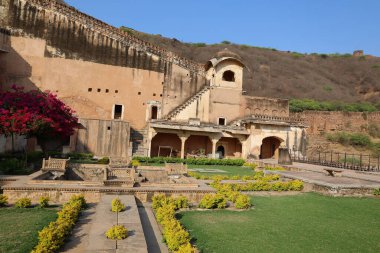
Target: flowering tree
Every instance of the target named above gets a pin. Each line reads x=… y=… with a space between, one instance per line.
x=34 y=114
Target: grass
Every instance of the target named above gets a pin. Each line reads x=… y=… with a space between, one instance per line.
x=19 y=227
x=301 y=223
x=230 y=170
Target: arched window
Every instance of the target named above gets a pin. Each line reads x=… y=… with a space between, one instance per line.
x=229 y=76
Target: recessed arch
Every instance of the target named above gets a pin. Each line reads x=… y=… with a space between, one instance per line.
x=229 y=76
x=269 y=147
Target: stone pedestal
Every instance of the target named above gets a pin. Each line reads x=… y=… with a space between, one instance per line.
x=284 y=156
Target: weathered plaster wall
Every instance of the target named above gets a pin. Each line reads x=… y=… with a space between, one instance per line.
x=56 y=47
x=264 y=106
x=102 y=138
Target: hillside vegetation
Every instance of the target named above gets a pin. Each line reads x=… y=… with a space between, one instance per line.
x=273 y=73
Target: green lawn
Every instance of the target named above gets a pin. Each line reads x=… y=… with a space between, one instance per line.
x=229 y=170
x=19 y=227
x=300 y=223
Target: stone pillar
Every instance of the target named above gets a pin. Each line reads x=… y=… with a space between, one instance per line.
x=214 y=140
x=183 y=138
x=243 y=142
x=151 y=134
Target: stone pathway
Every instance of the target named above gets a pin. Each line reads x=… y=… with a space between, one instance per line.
x=89 y=235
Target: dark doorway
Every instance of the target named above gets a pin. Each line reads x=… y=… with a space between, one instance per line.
x=154 y=112
x=221 y=151
x=118 y=110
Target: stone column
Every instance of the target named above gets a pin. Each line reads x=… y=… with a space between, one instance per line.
x=151 y=134
x=214 y=140
x=183 y=138
x=243 y=142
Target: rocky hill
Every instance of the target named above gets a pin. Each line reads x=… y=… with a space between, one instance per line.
x=281 y=74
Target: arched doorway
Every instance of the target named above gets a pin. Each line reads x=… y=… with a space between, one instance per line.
x=220 y=150
x=269 y=147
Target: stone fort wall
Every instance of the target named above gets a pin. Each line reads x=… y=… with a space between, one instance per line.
x=55 y=47
x=325 y=122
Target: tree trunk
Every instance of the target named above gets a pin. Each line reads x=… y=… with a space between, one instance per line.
x=13 y=143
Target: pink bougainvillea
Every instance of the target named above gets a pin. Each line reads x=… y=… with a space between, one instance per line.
x=34 y=113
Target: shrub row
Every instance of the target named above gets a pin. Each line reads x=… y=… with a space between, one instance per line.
x=52 y=237
x=175 y=236
x=300 y=105
x=240 y=200
x=278 y=168
x=24 y=202
x=293 y=185
x=257 y=176
x=195 y=161
x=253 y=166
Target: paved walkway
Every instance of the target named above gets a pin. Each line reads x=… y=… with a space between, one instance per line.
x=89 y=235
x=316 y=174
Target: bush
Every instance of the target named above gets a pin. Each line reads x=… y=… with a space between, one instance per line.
x=278 y=168
x=245 y=178
x=243 y=202
x=3 y=200
x=196 y=161
x=23 y=203
x=181 y=202
x=376 y=192
x=212 y=201
x=52 y=237
x=12 y=166
x=186 y=248
x=175 y=236
x=296 y=185
x=300 y=105
x=135 y=163
x=44 y=202
x=104 y=160
x=117 y=232
x=253 y=166
x=354 y=139
x=117 y=206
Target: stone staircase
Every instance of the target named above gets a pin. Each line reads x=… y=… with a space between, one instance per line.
x=139 y=143
x=191 y=100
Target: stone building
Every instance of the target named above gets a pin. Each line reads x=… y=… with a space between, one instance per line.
x=148 y=101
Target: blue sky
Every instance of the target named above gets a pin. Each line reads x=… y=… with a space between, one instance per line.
x=307 y=26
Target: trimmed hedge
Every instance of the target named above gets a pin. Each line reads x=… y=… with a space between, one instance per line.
x=196 y=161
x=52 y=237
x=260 y=185
x=175 y=236
x=212 y=201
